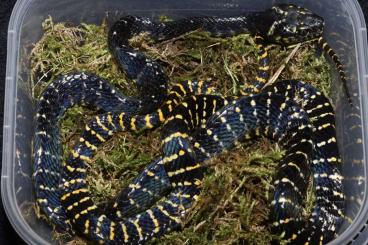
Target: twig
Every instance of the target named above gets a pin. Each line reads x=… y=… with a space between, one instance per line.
x=282 y=67
x=229 y=199
x=214 y=44
x=233 y=77
x=172 y=40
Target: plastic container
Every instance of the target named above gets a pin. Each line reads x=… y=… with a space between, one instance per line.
x=345 y=32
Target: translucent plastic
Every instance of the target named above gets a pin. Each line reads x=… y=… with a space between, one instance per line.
x=345 y=32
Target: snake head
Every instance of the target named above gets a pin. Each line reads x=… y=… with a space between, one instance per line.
x=293 y=24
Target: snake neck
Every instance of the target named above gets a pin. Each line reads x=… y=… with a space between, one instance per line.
x=260 y=23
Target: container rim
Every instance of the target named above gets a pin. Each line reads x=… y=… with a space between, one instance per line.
x=9 y=125
x=355 y=228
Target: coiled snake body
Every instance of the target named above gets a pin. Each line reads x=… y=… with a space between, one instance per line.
x=196 y=126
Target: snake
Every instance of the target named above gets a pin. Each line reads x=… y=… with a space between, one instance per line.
x=246 y=117
x=284 y=24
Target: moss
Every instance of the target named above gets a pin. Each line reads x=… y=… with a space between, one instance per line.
x=234 y=203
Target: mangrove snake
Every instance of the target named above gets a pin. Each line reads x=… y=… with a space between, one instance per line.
x=295 y=115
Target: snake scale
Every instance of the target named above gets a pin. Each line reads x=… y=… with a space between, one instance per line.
x=196 y=125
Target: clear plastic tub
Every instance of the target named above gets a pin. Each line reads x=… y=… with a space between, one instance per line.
x=345 y=32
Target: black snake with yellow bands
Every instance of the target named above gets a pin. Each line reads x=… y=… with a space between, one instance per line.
x=282 y=24
x=278 y=117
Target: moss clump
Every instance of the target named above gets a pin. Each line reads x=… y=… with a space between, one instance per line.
x=234 y=203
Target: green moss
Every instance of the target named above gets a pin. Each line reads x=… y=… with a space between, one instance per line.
x=234 y=204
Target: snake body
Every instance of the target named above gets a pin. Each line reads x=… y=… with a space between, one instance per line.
x=274 y=110
x=185 y=172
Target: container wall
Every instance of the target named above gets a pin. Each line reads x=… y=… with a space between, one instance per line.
x=344 y=30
